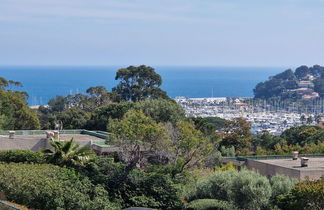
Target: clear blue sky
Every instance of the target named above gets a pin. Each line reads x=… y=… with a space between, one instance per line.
x=162 y=32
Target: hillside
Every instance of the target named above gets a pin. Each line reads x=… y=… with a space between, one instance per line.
x=303 y=83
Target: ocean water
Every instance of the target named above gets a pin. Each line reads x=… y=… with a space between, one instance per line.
x=44 y=83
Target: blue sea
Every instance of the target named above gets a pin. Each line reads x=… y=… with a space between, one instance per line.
x=44 y=83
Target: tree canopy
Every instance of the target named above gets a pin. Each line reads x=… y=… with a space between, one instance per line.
x=139 y=83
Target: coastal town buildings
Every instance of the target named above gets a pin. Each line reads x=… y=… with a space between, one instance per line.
x=263 y=116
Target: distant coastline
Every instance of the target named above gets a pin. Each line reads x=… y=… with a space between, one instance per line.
x=44 y=83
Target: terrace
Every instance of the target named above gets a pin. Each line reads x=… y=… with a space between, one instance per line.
x=282 y=164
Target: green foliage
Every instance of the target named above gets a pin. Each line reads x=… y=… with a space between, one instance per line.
x=246 y=189
x=139 y=83
x=57 y=104
x=305 y=195
x=281 y=184
x=137 y=132
x=73 y=118
x=100 y=117
x=301 y=135
x=134 y=187
x=266 y=141
x=68 y=153
x=210 y=204
x=190 y=146
x=162 y=110
x=220 y=123
x=15 y=112
x=51 y=187
x=238 y=134
x=276 y=85
x=204 y=125
x=18 y=156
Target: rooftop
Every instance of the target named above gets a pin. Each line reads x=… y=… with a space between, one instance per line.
x=314 y=163
x=36 y=140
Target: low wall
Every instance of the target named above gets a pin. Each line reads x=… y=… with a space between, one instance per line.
x=269 y=170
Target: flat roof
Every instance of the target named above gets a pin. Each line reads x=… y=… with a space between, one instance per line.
x=314 y=163
x=76 y=137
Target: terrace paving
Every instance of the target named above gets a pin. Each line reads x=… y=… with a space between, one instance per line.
x=37 y=142
x=313 y=163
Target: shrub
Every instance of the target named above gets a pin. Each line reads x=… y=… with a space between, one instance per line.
x=134 y=188
x=50 y=187
x=305 y=195
x=210 y=204
x=281 y=184
x=18 y=156
x=250 y=190
x=246 y=189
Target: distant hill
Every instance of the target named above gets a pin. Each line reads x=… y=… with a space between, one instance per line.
x=303 y=83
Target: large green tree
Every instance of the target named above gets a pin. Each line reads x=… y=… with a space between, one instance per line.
x=14 y=109
x=137 y=133
x=139 y=83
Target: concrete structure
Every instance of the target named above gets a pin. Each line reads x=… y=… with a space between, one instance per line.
x=272 y=165
x=37 y=140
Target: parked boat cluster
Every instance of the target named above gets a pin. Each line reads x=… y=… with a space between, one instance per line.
x=263 y=115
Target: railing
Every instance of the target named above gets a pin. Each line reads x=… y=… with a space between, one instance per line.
x=99 y=134
x=6 y=206
x=267 y=157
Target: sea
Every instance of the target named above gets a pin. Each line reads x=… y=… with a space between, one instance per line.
x=45 y=82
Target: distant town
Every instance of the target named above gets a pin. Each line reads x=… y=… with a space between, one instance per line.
x=263 y=115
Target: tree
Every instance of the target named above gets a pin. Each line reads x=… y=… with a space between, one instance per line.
x=68 y=153
x=245 y=189
x=162 y=110
x=305 y=195
x=137 y=133
x=73 y=118
x=57 y=104
x=302 y=72
x=15 y=111
x=100 y=117
x=190 y=146
x=139 y=83
x=276 y=85
x=237 y=133
x=99 y=96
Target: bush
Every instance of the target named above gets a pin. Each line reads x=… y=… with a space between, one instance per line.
x=246 y=189
x=210 y=204
x=51 y=187
x=305 y=195
x=281 y=184
x=18 y=156
x=250 y=190
x=134 y=188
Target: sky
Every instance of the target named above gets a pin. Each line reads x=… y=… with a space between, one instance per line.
x=162 y=32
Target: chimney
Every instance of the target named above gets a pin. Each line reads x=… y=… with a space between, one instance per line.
x=295 y=155
x=304 y=161
x=12 y=134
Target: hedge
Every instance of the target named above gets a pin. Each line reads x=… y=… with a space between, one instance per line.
x=18 y=156
x=210 y=204
x=50 y=187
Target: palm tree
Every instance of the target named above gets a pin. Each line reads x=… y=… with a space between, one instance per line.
x=68 y=153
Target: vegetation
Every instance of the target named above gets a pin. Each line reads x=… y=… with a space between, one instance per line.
x=139 y=83
x=68 y=153
x=14 y=111
x=166 y=160
x=281 y=84
x=51 y=187
x=21 y=156
x=305 y=195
